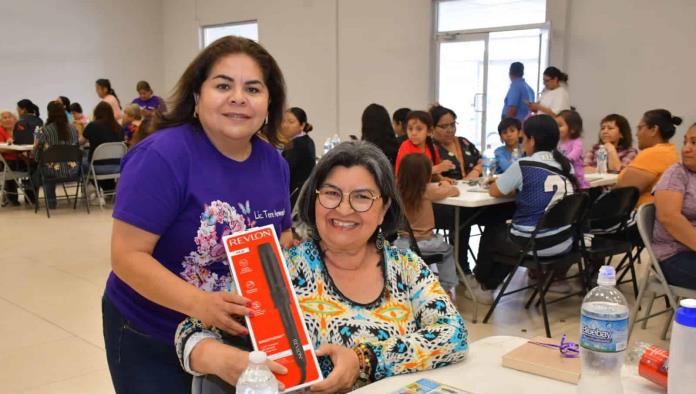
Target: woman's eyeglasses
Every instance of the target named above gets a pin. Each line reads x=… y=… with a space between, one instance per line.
x=360 y=200
x=448 y=126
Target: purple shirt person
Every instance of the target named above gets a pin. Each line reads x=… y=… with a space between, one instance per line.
x=205 y=173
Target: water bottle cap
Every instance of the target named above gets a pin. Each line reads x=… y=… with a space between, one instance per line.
x=257 y=357
x=607 y=276
x=686 y=315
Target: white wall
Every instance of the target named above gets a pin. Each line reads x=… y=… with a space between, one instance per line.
x=378 y=51
x=629 y=56
x=60 y=47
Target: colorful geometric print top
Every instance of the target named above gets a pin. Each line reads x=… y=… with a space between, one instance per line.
x=411 y=327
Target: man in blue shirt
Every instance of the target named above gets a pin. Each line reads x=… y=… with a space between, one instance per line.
x=519 y=94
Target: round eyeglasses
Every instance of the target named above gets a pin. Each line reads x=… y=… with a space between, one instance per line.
x=360 y=200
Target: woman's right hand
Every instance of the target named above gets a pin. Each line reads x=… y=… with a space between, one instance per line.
x=218 y=309
x=444 y=166
x=227 y=362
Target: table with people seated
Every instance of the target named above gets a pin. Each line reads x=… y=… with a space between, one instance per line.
x=471 y=195
x=482 y=372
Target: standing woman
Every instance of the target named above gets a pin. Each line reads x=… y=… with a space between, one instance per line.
x=107 y=93
x=555 y=97
x=377 y=128
x=299 y=152
x=207 y=172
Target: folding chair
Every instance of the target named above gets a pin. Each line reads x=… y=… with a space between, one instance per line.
x=612 y=212
x=655 y=282
x=107 y=151
x=58 y=154
x=437 y=259
x=8 y=174
x=566 y=212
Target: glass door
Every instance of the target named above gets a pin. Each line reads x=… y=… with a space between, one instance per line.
x=473 y=76
x=461 y=82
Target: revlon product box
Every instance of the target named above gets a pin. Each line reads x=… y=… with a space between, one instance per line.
x=277 y=326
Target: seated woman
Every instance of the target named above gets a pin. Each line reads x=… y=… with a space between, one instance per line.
x=674 y=236
x=376 y=127
x=56 y=132
x=615 y=136
x=529 y=178
x=7 y=122
x=418 y=194
x=103 y=129
x=299 y=151
x=351 y=203
x=457 y=149
x=657 y=154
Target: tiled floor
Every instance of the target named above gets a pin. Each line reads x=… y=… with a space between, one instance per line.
x=52 y=275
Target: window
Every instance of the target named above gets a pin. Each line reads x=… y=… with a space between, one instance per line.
x=482 y=14
x=476 y=41
x=248 y=30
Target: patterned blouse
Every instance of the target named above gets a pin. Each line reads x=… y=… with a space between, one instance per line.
x=411 y=327
x=49 y=137
x=625 y=155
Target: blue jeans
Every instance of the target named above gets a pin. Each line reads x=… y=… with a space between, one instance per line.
x=140 y=364
x=680 y=269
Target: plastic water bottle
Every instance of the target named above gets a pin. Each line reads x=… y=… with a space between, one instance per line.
x=602 y=160
x=335 y=140
x=257 y=378
x=489 y=162
x=327 y=145
x=603 y=336
x=682 y=357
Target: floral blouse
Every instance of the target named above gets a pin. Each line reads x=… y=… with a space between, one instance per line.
x=411 y=327
x=625 y=155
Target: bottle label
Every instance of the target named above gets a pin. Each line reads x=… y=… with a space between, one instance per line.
x=606 y=336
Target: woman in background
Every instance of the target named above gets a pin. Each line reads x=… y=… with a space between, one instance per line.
x=657 y=154
x=555 y=97
x=56 y=132
x=299 y=151
x=674 y=236
x=615 y=136
x=106 y=93
x=377 y=128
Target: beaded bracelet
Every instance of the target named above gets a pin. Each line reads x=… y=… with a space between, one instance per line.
x=364 y=361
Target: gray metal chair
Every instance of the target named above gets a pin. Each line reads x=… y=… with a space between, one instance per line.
x=107 y=151
x=655 y=282
x=8 y=174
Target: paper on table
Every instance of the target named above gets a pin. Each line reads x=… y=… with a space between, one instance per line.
x=428 y=386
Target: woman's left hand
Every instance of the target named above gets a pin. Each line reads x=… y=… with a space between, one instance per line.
x=534 y=107
x=287 y=239
x=345 y=373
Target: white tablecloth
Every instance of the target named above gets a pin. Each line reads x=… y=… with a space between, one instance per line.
x=18 y=148
x=482 y=373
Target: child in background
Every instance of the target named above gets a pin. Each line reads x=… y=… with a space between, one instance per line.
x=570 y=143
x=419 y=128
x=132 y=119
x=418 y=193
x=509 y=130
x=80 y=120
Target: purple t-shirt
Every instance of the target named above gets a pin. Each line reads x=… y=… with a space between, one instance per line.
x=572 y=149
x=677 y=179
x=177 y=185
x=152 y=103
